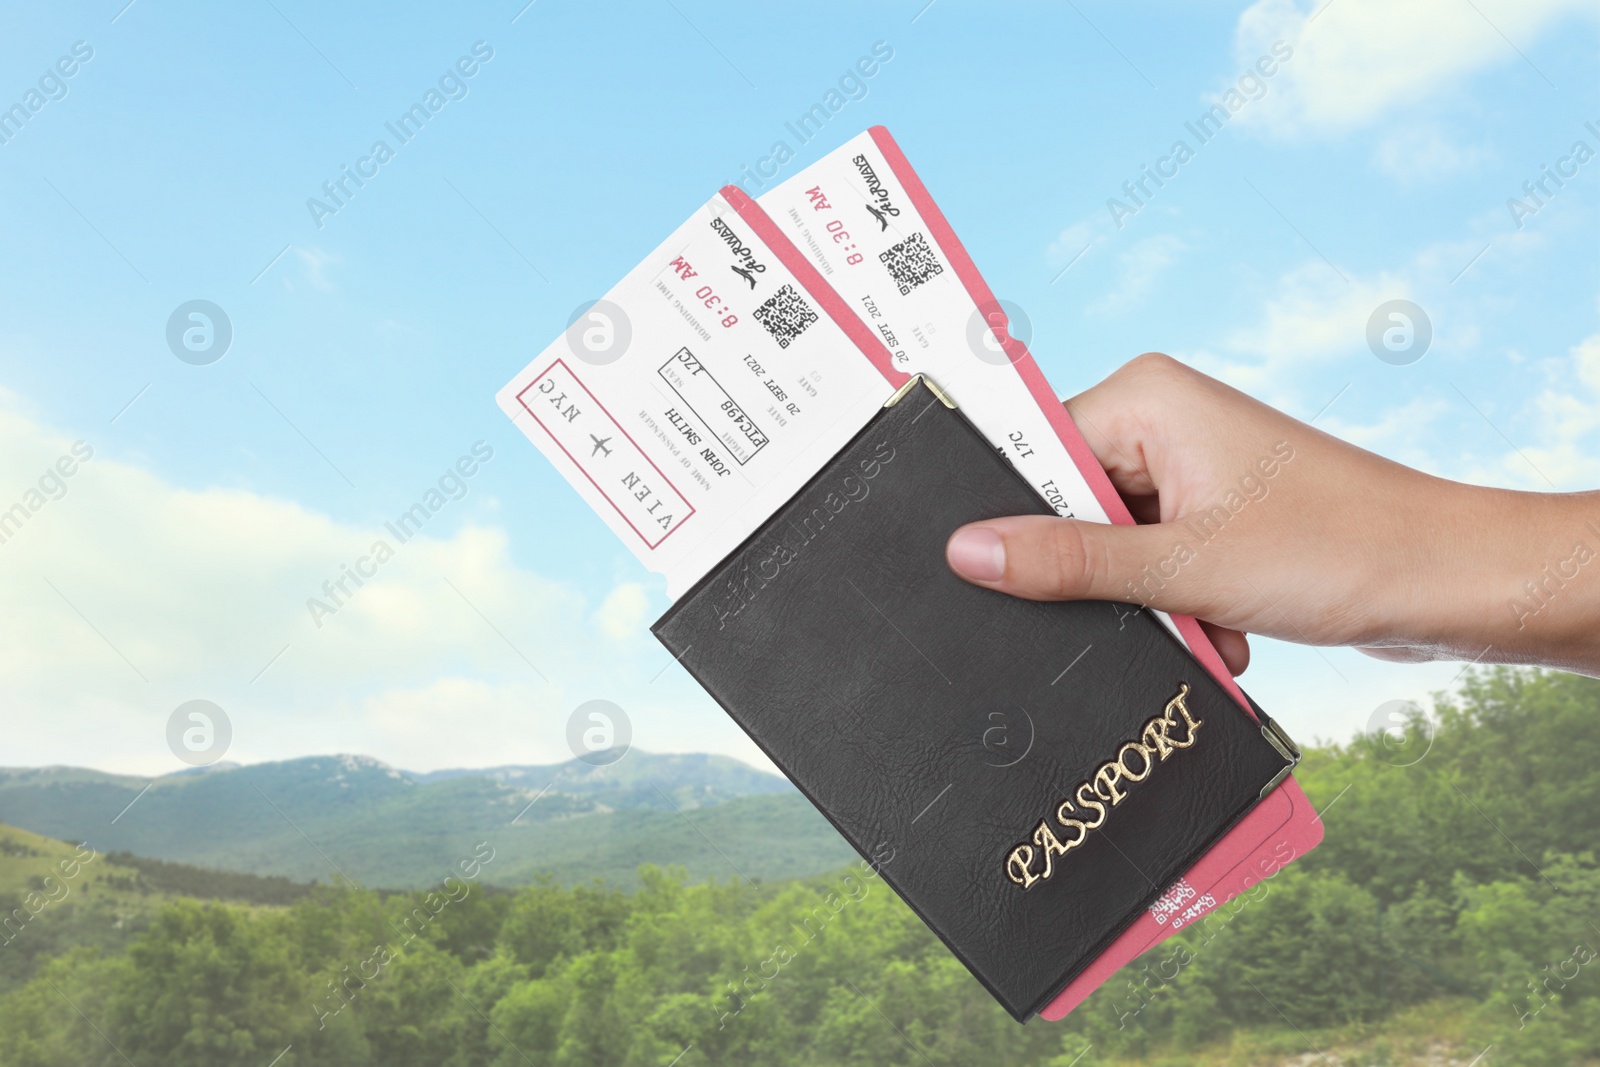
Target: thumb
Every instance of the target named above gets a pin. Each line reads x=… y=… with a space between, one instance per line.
x=1040 y=557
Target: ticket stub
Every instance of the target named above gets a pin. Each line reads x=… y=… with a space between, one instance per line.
x=849 y=215
x=700 y=393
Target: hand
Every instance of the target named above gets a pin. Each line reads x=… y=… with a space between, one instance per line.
x=1255 y=522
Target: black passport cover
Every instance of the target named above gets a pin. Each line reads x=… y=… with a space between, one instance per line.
x=940 y=722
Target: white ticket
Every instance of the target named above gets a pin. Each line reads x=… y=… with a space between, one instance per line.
x=699 y=394
x=848 y=213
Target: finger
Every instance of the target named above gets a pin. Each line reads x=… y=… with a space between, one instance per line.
x=1231 y=645
x=1116 y=450
x=1112 y=417
x=1043 y=558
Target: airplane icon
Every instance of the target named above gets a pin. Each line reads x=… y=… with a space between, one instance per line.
x=883 y=223
x=599 y=446
x=746 y=275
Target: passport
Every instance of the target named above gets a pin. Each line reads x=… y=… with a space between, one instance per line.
x=838 y=639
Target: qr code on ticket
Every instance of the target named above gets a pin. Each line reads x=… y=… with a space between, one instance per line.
x=910 y=263
x=785 y=315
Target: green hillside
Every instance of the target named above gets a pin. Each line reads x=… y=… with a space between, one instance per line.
x=56 y=896
x=332 y=818
x=1448 y=920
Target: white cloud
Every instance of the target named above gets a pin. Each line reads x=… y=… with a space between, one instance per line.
x=1071 y=241
x=126 y=595
x=1138 y=269
x=1568 y=417
x=1309 y=340
x=316 y=262
x=450 y=717
x=1308 y=343
x=1419 y=154
x=624 y=611
x=1312 y=318
x=1407 y=433
x=1356 y=61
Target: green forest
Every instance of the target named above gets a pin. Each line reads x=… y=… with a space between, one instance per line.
x=1452 y=910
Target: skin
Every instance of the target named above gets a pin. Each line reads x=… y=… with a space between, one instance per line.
x=1337 y=546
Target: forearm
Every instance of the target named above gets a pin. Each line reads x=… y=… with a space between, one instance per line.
x=1537 y=586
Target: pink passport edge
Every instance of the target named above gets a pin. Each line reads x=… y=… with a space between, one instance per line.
x=1288 y=843
x=1231 y=861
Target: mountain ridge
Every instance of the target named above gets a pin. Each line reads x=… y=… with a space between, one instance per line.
x=346 y=817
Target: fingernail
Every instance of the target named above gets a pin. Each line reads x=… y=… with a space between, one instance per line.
x=977 y=553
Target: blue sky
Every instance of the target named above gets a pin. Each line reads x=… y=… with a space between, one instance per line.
x=1375 y=164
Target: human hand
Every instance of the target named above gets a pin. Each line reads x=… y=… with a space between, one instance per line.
x=1255 y=522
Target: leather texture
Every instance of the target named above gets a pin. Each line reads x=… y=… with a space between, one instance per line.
x=936 y=723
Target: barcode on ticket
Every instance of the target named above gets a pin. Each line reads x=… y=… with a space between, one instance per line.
x=786 y=314
x=910 y=263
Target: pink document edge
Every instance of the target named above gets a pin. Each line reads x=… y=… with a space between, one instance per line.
x=870 y=344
